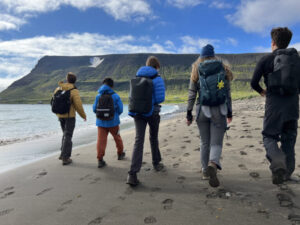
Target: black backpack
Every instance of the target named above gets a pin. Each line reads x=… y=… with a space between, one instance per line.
x=105 y=107
x=61 y=101
x=140 y=95
x=285 y=78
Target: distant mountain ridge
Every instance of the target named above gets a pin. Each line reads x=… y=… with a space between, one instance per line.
x=39 y=84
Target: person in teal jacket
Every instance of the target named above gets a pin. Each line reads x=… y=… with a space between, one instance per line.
x=110 y=126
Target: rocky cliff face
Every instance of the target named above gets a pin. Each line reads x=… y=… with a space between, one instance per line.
x=41 y=81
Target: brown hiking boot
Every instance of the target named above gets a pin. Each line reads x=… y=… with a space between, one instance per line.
x=66 y=161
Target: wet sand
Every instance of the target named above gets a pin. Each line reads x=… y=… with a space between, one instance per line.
x=45 y=192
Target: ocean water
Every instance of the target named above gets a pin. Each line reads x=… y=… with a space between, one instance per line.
x=31 y=132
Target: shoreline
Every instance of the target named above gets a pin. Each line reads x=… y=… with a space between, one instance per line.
x=53 y=143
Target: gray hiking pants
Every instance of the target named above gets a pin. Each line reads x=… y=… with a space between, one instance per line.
x=67 y=126
x=283 y=157
x=212 y=132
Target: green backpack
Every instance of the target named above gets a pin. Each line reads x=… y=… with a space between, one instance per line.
x=213 y=83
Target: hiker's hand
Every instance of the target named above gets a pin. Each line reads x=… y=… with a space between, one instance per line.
x=263 y=93
x=189 y=122
x=229 y=120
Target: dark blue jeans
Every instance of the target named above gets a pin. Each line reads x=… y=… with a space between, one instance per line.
x=140 y=130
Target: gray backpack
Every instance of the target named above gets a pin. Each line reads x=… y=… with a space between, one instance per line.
x=286 y=75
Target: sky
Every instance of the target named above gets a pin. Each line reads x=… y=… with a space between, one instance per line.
x=32 y=29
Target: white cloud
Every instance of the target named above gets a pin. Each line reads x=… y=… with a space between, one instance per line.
x=8 y=22
x=184 y=3
x=13 y=13
x=220 y=5
x=194 y=45
x=232 y=41
x=18 y=57
x=260 y=15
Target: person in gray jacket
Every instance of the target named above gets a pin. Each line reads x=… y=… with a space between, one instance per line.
x=212 y=116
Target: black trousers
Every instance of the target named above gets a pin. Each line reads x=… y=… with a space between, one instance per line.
x=67 y=126
x=140 y=130
x=283 y=156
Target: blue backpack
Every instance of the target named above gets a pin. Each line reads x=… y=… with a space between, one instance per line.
x=213 y=83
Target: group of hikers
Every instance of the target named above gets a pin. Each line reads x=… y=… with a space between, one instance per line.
x=210 y=89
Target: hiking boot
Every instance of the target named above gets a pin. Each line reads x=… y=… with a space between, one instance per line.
x=60 y=157
x=278 y=176
x=212 y=173
x=158 y=167
x=101 y=163
x=132 y=180
x=121 y=156
x=66 y=161
x=205 y=176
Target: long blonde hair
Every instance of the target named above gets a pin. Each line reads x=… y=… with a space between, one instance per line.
x=195 y=75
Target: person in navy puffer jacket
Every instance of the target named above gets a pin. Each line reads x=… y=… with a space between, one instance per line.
x=110 y=126
x=152 y=118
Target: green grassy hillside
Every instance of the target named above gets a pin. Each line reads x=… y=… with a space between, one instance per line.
x=39 y=84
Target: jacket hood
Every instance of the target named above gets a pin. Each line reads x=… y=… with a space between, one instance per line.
x=146 y=71
x=65 y=86
x=104 y=88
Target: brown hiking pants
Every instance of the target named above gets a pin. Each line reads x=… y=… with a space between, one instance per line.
x=102 y=140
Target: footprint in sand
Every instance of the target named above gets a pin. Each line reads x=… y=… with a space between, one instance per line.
x=6 y=211
x=150 y=219
x=67 y=202
x=259 y=150
x=180 y=179
x=155 y=189
x=242 y=167
x=187 y=141
x=96 y=221
x=249 y=146
x=183 y=147
x=254 y=175
x=7 y=194
x=169 y=150
x=85 y=177
x=294 y=218
x=170 y=136
x=242 y=136
x=41 y=174
x=175 y=165
x=243 y=153
x=284 y=200
x=44 y=191
x=186 y=137
x=228 y=144
x=186 y=154
x=168 y=204
x=249 y=136
x=197 y=149
x=95 y=180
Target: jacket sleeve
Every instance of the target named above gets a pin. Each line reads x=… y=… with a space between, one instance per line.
x=193 y=90
x=78 y=103
x=159 y=90
x=119 y=105
x=258 y=73
x=95 y=103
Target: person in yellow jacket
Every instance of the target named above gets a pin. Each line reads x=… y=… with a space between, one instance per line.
x=67 y=120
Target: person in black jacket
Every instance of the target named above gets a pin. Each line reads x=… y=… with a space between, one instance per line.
x=281 y=111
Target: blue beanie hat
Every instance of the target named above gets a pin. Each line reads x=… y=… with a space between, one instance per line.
x=207 y=51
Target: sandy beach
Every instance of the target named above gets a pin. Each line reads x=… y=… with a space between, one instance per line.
x=46 y=193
